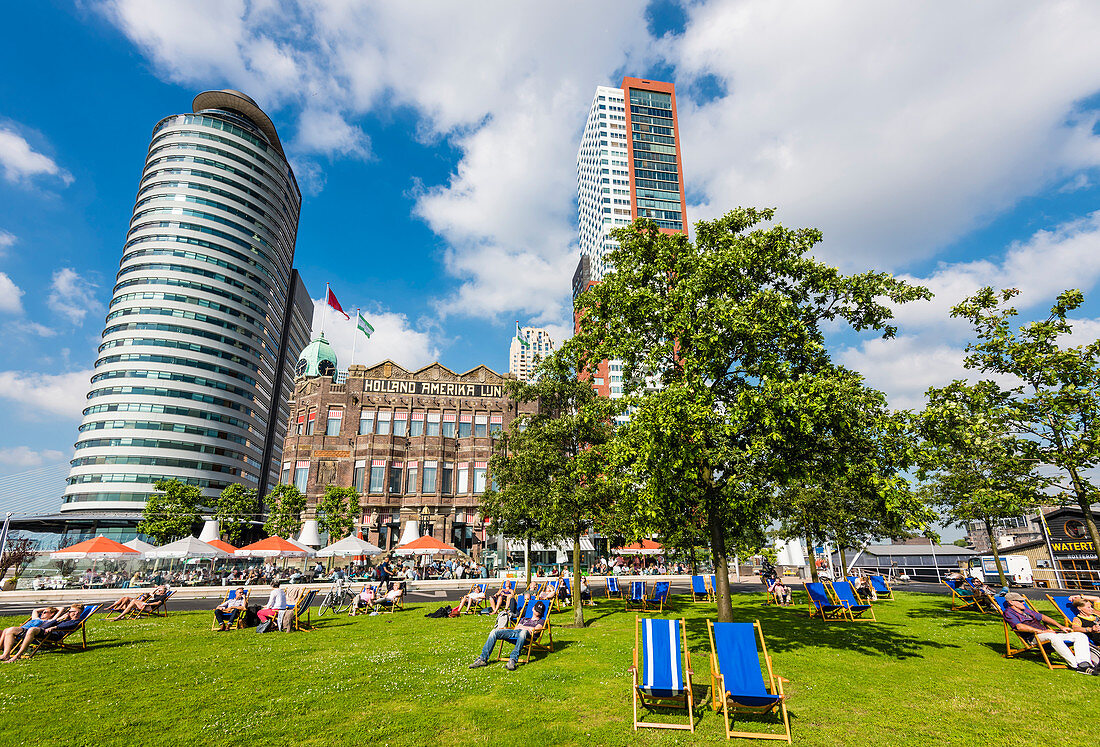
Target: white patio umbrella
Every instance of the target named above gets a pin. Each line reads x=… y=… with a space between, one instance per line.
x=349 y=546
x=188 y=547
x=139 y=545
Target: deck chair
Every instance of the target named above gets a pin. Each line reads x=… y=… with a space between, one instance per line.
x=1030 y=642
x=660 y=596
x=662 y=670
x=543 y=640
x=736 y=680
x=1062 y=605
x=821 y=605
x=55 y=636
x=636 y=600
x=567 y=601
x=521 y=605
x=878 y=583
x=770 y=599
x=964 y=596
x=845 y=595
x=299 y=614
x=387 y=605
x=159 y=609
x=484 y=590
x=612 y=585
x=699 y=589
x=237 y=621
x=708 y=584
x=713 y=587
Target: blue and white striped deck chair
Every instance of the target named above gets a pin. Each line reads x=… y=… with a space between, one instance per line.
x=846 y=596
x=1062 y=604
x=699 y=589
x=878 y=583
x=736 y=681
x=821 y=605
x=662 y=670
x=612 y=585
x=637 y=596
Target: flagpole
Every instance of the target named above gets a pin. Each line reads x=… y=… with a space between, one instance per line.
x=354 y=336
x=324 y=312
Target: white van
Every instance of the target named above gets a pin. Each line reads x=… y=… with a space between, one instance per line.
x=1017 y=570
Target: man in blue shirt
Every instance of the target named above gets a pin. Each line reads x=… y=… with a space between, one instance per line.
x=1026 y=621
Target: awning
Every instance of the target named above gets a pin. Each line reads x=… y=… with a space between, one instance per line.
x=516 y=545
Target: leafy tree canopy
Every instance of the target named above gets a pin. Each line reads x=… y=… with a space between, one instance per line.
x=235 y=510
x=338 y=511
x=170 y=513
x=285 y=504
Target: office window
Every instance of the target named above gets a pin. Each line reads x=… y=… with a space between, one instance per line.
x=463 y=485
x=310 y=422
x=358 y=475
x=479 y=476
x=481 y=425
x=366 y=423
x=416 y=426
x=411 y=468
x=284 y=478
x=377 y=475
x=382 y=428
x=400 y=421
x=433 y=424
x=429 y=476
x=335 y=418
x=447 y=478
x=301 y=475
x=465 y=425
x=395 y=477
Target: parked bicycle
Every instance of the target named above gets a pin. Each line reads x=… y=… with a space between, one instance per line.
x=337 y=599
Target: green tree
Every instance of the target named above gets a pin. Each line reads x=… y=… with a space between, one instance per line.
x=172 y=512
x=730 y=327
x=338 y=511
x=235 y=510
x=553 y=465
x=972 y=465
x=285 y=504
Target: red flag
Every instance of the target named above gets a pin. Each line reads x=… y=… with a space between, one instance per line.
x=336 y=304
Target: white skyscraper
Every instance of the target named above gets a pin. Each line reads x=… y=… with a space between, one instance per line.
x=523 y=358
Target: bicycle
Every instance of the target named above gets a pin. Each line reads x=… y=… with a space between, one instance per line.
x=337 y=599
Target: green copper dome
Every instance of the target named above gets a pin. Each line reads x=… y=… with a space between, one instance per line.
x=318 y=359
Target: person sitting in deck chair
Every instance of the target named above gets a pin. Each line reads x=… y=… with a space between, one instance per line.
x=228 y=611
x=1027 y=621
x=779 y=590
x=506 y=592
x=48 y=617
x=394 y=596
x=475 y=596
x=364 y=601
x=276 y=603
x=864 y=589
x=141 y=602
x=1087 y=620
x=524 y=629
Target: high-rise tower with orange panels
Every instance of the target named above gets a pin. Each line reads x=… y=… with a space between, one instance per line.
x=628 y=166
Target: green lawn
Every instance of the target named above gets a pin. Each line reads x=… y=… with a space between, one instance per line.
x=921 y=675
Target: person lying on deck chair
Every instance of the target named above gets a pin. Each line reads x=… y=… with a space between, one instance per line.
x=10 y=636
x=363 y=601
x=227 y=611
x=28 y=633
x=1025 y=620
x=501 y=598
x=475 y=596
x=1087 y=620
x=141 y=602
x=524 y=629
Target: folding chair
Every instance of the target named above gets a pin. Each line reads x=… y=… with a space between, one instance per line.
x=964 y=596
x=160 y=609
x=1062 y=605
x=662 y=679
x=301 y=608
x=534 y=642
x=699 y=589
x=714 y=587
x=567 y=600
x=821 y=605
x=393 y=605
x=612 y=585
x=484 y=590
x=1030 y=641
x=845 y=595
x=708 y=584
x=637 y=596
x=237 y=621
x=769 y=599
x=736 y=680
x=55 y=637
x=660 y=595
x=878 y=583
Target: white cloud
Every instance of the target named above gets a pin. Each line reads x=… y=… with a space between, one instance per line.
x=24 y=327
x=327 y=132
x=22 y=456
x=905 y=367
x=10 y=295
x=71 y=295
x=20 y=162
x=893 y=127
x=393 y=338
x=7 y=240
x=39 y=395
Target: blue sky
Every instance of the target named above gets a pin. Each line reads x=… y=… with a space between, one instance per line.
x=436 y=142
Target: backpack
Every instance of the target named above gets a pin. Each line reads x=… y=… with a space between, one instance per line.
x=444 y=611
x=266 y=625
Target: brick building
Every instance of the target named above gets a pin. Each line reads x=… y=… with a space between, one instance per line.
x=415 y=444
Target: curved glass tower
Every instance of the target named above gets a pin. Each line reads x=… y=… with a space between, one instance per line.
x=191 y=373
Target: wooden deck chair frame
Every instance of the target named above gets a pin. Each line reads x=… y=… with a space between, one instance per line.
x=391 y=608
x=852 y=614
x=50 y=640
x=695 y=593
x=838 y=612
x=640 y=601
x=301 y=607
x=964 y=601
x=157 y=610
x=647 y=600
x=1012 y=652
x=610 y=581
x=535 y=642
x=718 y=685
x=770 y=600
x=559 y=603
x=888 y=594
x=238 y=619
x=686 y=701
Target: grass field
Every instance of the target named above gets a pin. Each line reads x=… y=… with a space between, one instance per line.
x=920 y=675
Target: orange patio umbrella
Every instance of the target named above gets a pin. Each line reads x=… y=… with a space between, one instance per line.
x=94 y=549
x=645 y=547
x=273 y=547
x=223 y=546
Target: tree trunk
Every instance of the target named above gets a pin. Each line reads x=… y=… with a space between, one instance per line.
x=694 y=562
x=814 y=578
x=843 y=563
x=996 y=553
x=721 y=564
x=527 y=560
x=578 y=605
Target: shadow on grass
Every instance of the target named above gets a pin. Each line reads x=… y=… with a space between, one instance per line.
x=954 y=619
x=105 y=643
